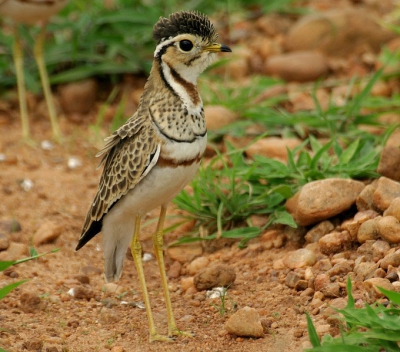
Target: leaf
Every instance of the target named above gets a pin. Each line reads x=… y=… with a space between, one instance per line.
x=4 y=291
x=284 y=218
x=349 y=152
x=245 y=232
x=6 y=264
x=314 y=339
x=393 y=296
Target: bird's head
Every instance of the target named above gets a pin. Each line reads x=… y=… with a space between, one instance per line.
x=187 y=43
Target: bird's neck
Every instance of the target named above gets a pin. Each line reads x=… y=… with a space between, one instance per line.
x=174 y=103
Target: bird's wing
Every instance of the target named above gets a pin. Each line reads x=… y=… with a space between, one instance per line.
x=129 y=154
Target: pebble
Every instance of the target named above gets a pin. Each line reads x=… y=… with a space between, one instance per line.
x=118 y=349
x=338 y=32
x=214 y=276
x=389 y=229
x=47 y=232
x=365 y=270
x=300 y=66
x=78 y=97
x=322 y=199
x=272 y=147
x=318 y=231
x=340 y=269
x=389 y=162
x=9 y=226
x=368 y=230
x=292 y=278
x=185 y=253
x=112 y=287
x=386 y=191
x=80 y=292
x=393 y=209
x=174 y=270
x=186 y=283
x=365 y=200
x=245 y=322
x=4 y=242
x=83 y=279
x=380 y=249
x=108 y=316
x=299 y=258
x=392 y=259
x=197 y=264
x=371 y=286
x=334 y=242
x=14 y=251
x=218 y=116
x=31 y=302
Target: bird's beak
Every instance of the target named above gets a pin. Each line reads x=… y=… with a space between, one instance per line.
x=217 y=47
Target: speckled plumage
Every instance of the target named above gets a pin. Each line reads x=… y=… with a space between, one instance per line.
x=149 y=160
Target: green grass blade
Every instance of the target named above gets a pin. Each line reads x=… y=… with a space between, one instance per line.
x=4 y=291
x=314 y=339
x=394 y=297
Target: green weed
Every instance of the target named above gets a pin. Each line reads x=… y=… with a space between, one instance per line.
x=374 y=328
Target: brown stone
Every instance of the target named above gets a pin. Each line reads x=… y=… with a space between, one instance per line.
x=214 y=276
x=386 y=191
x=245 y=322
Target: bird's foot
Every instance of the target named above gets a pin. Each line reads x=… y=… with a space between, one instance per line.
x=162 y=338
x=176 y=332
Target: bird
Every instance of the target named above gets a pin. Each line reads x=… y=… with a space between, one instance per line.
x=32 y=12
x=156 y=153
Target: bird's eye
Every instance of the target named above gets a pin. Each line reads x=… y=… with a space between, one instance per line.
x=186 y=45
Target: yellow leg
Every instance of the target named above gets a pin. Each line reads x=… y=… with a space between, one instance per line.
x=136 y=250
x=38 y=52
x=158 y=242
x=19 y=69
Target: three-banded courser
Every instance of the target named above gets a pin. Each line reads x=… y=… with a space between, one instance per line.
x=32 y=12
x=156 y=152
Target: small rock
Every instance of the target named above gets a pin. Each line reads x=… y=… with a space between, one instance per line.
x=174 y=270
x=365 y=270
x=386 y=191
x=323 y=265
x=322 y=199
x=300 y=66
x=218 y=116
x=112 y=287
x=14 y=251
x=318 y=231
x=392 y=259
x=197 y=264
x=371 y=286
x=380 y=249
x=215 y=276
x=47 y=232
x=365 y=200
x=74 y=163
x=118 y=349
x=80 y=292
x=299 y=258
x=83 y=279
x=393 y=209
x=108 y=316
x=321 y=280
x=272 y=147
x=340 y=269
x=90 y=270
x=369 y=230
x=31 y=302
x=338 y=32
x=331 y=290
x=389 y=163
x=4 y=242
x=185 y=253
x=186 y=283
x=78 y=97
x=389 y=229
x=292 y=278
x=334 y=242
x=9 y=226
x=245 y=322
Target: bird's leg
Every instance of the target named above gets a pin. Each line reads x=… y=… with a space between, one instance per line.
x=136 y=250
x=38 y=52
x=19 y=70
x=158 y=242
